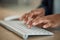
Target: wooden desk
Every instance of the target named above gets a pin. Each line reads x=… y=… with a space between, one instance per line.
x=7 y=35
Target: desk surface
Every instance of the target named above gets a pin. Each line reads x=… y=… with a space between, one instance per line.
x=7 y=35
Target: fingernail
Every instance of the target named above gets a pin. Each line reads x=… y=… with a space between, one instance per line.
x=33 y=23
x=44 y=27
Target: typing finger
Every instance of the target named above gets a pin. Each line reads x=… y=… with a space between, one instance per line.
x=23 y=17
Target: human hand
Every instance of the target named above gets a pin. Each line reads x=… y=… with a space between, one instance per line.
x=32 y=15
x=50 y=21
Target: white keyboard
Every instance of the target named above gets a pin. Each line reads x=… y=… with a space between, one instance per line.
x=22 y=30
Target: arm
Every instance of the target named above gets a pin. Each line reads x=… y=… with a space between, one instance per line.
x=50 y=21
x=48 y=6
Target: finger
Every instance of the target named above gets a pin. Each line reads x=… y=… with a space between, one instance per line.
x=23 y=17
x=47 y=25
x=26 y=19
x=30 y=25
x=30 y=15
x=39 y=21
x=35 y=21
x=37 y=11
x=54 y=25
x=40 y=11
x=29 y=18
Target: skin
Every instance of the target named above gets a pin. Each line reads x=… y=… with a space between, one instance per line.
x=51 y=21
x=33 y=14
x=37 y=18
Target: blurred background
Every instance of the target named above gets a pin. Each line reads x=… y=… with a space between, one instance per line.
x=26 y=5
x=20 y=5
x=56 y=6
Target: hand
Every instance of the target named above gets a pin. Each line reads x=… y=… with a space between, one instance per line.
x=32 y=15
x=50 y=21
